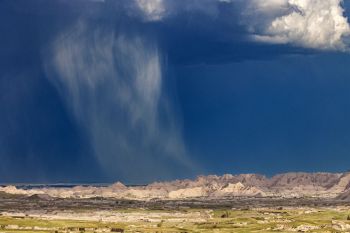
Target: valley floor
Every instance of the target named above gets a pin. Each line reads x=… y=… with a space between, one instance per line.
x=42 y=214
x=267 y=219
x=191 y=220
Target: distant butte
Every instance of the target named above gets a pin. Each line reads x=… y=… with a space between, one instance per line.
x=287 y=185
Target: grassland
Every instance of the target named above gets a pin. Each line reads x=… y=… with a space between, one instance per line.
x=191 y=220
x=41 y=215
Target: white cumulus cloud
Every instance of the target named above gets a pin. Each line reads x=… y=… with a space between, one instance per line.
x=158 y=10
x=318 y=24
x=153 y=10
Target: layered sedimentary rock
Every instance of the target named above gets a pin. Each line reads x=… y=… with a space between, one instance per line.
x=322 y=185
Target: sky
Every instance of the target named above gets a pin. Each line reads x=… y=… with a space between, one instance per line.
x=148 y=90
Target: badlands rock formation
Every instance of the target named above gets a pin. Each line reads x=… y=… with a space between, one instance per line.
x=322 y=185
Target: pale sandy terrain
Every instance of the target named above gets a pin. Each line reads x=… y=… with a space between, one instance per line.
x=289 y=185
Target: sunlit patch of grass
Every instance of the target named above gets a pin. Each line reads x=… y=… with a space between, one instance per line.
x=225 y=221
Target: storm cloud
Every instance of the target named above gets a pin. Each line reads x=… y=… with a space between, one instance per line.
x=316 y=24
x=95 y=78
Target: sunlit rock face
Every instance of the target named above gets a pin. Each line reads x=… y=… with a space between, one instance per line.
x=288 y=185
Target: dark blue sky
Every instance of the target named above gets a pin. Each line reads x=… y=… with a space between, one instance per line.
x=71 y=109
x=286 y=114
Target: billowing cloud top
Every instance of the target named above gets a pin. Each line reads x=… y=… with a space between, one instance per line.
x=316 y=24
x=153 y=10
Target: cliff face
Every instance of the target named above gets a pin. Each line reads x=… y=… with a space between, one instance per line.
x=323 y=185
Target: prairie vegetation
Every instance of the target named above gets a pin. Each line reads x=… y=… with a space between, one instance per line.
x=289 y=219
